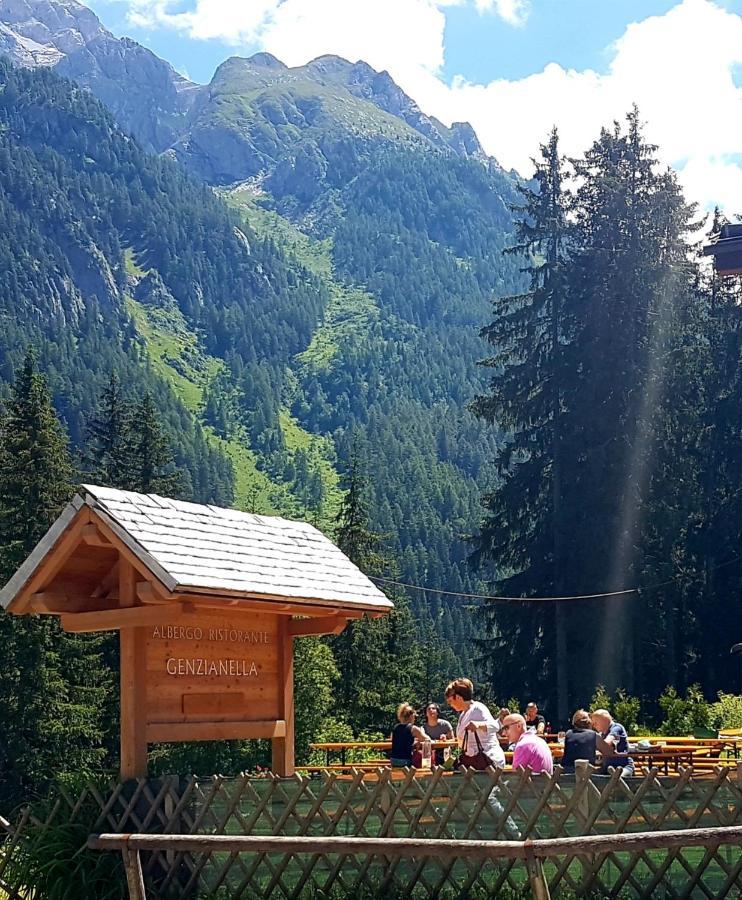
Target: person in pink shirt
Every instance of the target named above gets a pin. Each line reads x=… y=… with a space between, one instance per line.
x=530 y=751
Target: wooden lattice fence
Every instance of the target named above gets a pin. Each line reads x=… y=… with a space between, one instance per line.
x=466 y=805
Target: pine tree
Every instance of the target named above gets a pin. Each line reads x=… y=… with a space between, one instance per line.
x=368 y=649
x=109 y=448
x=52 y=687
x=716 y=532
x=629 y=284
x=152 y=468
x=36 y=475
x=521 y=534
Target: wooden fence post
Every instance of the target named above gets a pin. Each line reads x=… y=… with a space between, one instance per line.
x=536 y=877
x=134 y=876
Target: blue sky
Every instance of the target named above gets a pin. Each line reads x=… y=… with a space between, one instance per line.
x=513 y=68
x=480 y=47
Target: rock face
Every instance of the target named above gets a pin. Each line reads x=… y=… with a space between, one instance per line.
x=256 y=116
x=148 y=98
x=381 y=90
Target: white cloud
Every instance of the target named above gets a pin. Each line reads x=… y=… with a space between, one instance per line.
x=678 y=67
x=514 y=12
x=403 y=35
x=228 y=20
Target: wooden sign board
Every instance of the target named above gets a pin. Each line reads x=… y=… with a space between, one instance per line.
x=216 y=668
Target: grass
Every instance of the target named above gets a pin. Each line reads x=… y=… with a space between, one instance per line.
x=177 y=357
x=313 y=255
x=130 y=263
x=351 y=312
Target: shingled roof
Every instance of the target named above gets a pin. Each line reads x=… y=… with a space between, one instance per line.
x=193 y=548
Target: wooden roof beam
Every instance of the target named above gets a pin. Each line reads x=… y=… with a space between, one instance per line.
x=93 y=538
x=115 y=619
x=320 y=625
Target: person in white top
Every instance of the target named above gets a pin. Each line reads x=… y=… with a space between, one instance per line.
x=474 y=717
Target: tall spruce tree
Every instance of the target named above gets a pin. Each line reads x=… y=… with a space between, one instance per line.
x=109 y=439
x=152 y=469
x=716 y=533
x=521 y=536
x=51 y=686
x=36 y=475
x=630 y=281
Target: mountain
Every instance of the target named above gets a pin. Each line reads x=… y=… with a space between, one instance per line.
x=113 y=260
x=335 y=307
x=156 y=104
x=147 y=96
x=256 y=112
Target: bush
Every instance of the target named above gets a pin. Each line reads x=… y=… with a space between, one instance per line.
x=684 y=715
x=622 y=706
x=726 y=712
x=52 y=861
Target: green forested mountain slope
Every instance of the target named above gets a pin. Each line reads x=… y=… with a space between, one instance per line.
x=407 y=235
x=86 y=215
x=337 y=306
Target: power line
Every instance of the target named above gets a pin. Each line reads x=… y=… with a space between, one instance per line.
x=417 y=587
x=498 y=599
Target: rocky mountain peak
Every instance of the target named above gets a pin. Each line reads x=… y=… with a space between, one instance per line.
x=64 y=25
x=266 y=61
x=146 y=95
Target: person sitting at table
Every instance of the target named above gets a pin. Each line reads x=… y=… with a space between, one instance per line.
x=580 y=742
x=534 y=721
x=474 y=717
x=437 y=729
x=405 y=736
x=530 y=750
x=613 y=743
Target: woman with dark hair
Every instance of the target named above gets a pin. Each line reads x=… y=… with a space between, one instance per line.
x=474 y=717
x=405 y=735
x=437 y=729
x=580 y=742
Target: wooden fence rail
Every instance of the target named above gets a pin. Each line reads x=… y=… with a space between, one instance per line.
x=531 y=852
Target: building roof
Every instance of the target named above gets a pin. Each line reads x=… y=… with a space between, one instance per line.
x=193 y=548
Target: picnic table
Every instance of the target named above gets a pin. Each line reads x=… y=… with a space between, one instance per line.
x=668 y=754
x=342 y=747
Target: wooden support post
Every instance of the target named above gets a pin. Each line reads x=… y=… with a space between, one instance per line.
x=134 y=876
x=536 y=877
x=283 y=747
x=133 y=684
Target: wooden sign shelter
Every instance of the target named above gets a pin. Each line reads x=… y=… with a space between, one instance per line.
x=207 y=602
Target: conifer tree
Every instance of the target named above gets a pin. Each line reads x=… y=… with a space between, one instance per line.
x=630 y=282
x=521 y=534
x=372 y=653
x=52 y=686
x=152 y=469
x=36 y=475
x=109 y=447
x=716 y=532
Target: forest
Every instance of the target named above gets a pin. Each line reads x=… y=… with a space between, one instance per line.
x=595 y=450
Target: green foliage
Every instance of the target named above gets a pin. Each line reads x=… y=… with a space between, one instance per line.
x=35 y=468
x=522 y=536
x=726 y=712
x=52 y=686
x=209 y=757
x=52 y=861
x=315 y=676
x=617 y=375
x=684 y=715
x=622 y=706
x=108 y=447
